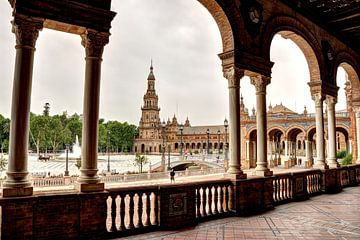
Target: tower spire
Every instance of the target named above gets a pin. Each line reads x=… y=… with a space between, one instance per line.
x=151 y=65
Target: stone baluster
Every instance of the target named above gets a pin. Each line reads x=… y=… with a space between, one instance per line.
x=131 y=211
x=260 y=83
x=26 y=31
x=148 y=209
x=94 y=43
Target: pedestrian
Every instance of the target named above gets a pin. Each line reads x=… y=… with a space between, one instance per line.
x=172 y=176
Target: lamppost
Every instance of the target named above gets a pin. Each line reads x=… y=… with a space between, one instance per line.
x=169 y=149
x=226 y=124
x=181 y=140
x=208 y=138
x=67 y=160
x=218 y=147
x=108 y=150
x=163 y=145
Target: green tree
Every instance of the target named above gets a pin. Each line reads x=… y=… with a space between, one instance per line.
x=4 y=133
x=55 y=132
x=38 y=131
x=140 y=161
x=3 y=163
x=74 y=124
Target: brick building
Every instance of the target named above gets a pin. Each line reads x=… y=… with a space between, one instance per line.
x=291 y=135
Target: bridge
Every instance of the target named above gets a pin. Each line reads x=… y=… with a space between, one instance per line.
x=179 y=165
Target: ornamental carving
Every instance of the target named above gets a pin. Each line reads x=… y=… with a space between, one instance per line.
x=94 y=42
x=26 y=30
x=260 y=83
x=330 y=100
x=233 y=75
x=318 y=99
x=251 y=12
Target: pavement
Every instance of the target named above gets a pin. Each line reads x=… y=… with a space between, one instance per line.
x=323 y=217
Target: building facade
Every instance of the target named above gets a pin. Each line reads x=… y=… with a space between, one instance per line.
x=291 y=135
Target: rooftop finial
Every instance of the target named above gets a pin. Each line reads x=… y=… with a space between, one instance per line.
x=151 y=66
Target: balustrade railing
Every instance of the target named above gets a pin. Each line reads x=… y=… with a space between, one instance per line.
x=213 y=199
x=282 y=185
x=314 y=181
x=132 y=209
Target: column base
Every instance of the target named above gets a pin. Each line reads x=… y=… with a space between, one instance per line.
x=332 y=162
x=17 y=191
x=321 y=166
x=264 y=173
x=89 y=187
x=237 y=176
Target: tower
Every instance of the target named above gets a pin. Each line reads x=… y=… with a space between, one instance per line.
x=149 y=125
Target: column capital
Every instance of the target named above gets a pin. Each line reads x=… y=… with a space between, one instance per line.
x=330 y=100
x=260 y=82
x=318 y=98
x=26 y=30
x=233 y=75
x=94 y=42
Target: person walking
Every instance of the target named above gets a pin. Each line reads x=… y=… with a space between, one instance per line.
x=172 y=176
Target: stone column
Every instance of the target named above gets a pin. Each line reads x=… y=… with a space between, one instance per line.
x=26 y=31
x=308 y=150
x=349 y=146
x=286 y=150
x=248 y=151
x=331 y=157
x=94 y=43
x=357 y=115
x=319 y=118
x=233 y=76
x=260 y=83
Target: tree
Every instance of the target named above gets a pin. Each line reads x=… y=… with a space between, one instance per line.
x=78 y=163
x=140 y=161
x=38 y=128
x=55 y=132
x=3 y=163
x=4 y=133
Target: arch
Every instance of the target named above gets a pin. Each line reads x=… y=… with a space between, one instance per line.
x=290 y=28
x=275 y=133
x=348 y=63
x=193 y=145
x=223 y=23
x=252 y=135
x=343 y=130
x=293 y=132
x=142 y=148
x=249 y=132
x=160 y=148
x=198 y=146
x=176 y=146
x=310 y=133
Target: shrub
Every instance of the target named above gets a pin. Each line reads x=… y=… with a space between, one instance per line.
x=341 y=154
x=346 y=160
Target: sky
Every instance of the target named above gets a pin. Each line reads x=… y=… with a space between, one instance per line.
x=183 y=40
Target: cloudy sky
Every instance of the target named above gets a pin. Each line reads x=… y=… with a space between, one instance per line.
x=182 y=39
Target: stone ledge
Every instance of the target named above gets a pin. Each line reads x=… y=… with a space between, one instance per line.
x=89 y=187
x=17 y=192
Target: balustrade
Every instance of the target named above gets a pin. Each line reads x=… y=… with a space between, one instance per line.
x=212 y=199
x=314 y=181
x=282 y=185
x=131 y=209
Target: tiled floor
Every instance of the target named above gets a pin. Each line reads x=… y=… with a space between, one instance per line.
x=322 y=217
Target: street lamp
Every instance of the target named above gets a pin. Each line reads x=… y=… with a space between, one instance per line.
x=181 y=139
x=169 y=149
x=218 y=132
x=108 y=149
x=67 y=160
x=208 y=138
x=163 y=145
x=226 y=124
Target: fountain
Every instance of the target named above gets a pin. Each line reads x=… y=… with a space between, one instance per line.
x=76 y=151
